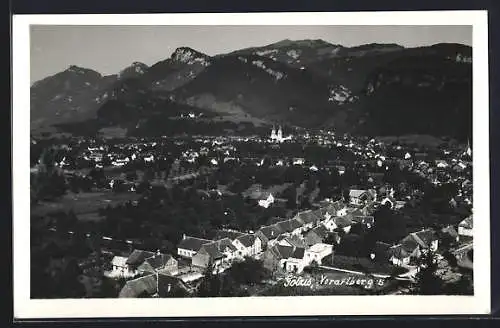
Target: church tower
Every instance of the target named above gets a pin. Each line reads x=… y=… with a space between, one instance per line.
x=280 y=134
x=273 y=133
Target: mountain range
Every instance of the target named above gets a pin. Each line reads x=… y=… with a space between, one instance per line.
x=373 y=89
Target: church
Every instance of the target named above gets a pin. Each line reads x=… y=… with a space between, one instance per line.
x=277 y=136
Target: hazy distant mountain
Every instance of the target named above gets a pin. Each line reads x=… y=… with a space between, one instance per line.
x=376 y=89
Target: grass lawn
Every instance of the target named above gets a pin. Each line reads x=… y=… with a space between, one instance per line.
x=83 y=203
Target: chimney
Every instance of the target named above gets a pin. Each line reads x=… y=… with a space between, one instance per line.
x=183 y=236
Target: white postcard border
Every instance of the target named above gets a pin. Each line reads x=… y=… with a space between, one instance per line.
x=25 y=308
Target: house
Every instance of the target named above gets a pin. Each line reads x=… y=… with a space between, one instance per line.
x=295 y=262
x=284 y=258
x=316 y=235
x=442 y=164
x=451 y=233
x=164 y=262
x=344 y=223
x=293 y=241
x=380 y=252
x=388 y=201
x=465 y=227
x=398 y=255
x=140 y=261
x=136 y=258
x=266 y=200
x=141 y=287
x=119 y=267
x=214 y=255
x=189 y=246
x=268 y=234
x=292 y=226
x=359 y=197
x=366 y=221
x=317 y=252
x=248 y=245
x=427 y=239
x=308 y=219
x=152 y=285
x=337 y=208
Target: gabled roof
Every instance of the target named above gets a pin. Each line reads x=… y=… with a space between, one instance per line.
x=466 y=223
x=247 y=239
x=221 y=234
x=212 y=250
x=136 y=287
x=283 y=252
x=425 y=237
x=398 y=252
x=364 y=219
x=450 y=230
x=320 y=231
x=157 y=261
x=342 y=221
x=193 y=243
x=307 y=217
x=226 y=243
x=356 y=193
x=409 y=243
x=119 y=261
x=292 y=224
x=271 y=232
x=138 y=256
x=298 y=253
x=295 y=241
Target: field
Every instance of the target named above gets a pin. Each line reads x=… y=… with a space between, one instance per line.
x=83 y=204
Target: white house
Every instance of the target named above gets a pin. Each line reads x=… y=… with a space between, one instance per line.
x=120 y=268
x=358 y=197
x=465 y=227
x=267 y=201
x=189 y=246
x=329 y=224
x=248 y=245
x=317 y=252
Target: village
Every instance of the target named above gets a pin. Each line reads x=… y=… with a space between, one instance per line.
x=334 y=205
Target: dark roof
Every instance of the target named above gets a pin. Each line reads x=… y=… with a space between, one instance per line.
x=138 y=256
x=271 y=232
x=295 y=241
x=409 y=243
x=136 y=287
x=221 y=234
x=398 y=252
x=426 y=236
x=308 y=217
x=158 y=261
x=342 y=221
x=450 y=230
x=247 y=240
x=320 y=231
x=226 y=243
x=284 y=252
x=193 y=243
x=212 y=250
x=298 y=253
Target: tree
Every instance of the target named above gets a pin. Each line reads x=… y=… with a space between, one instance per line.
x=428 y=282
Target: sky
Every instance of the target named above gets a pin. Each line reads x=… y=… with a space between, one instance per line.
x=109 y=49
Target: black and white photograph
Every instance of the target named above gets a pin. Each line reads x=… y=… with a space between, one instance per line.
x=262 y=161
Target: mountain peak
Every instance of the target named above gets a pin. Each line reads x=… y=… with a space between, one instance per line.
x=314 y=43
x=188 y=55
x=80 y=70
